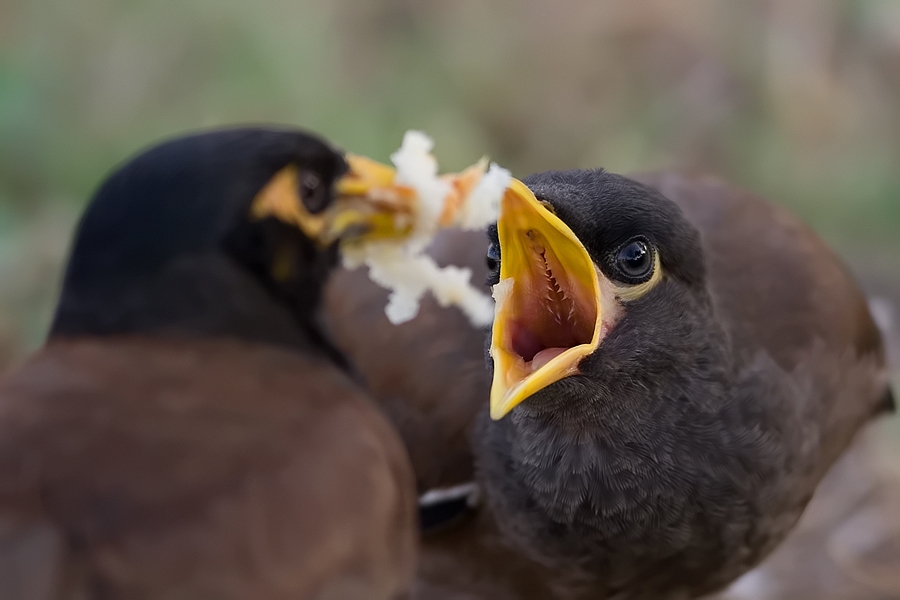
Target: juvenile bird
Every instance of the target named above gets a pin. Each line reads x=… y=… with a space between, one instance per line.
x=676 y=364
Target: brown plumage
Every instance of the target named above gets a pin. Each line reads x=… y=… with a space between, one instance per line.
x=847 y=544
x=430 y=378
x=199 y=469
x=187 y=431
x=776 y=288
x=428 y=374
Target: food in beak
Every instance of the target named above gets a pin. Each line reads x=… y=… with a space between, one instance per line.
x=385 y=217
x=548 y=302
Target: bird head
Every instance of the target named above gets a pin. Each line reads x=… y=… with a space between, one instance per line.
x=591 y=272
x=196 y=234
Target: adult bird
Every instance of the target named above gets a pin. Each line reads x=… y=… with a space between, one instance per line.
x=188 y=431
x=676 y=364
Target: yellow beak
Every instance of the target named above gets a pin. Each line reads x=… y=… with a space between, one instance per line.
x=370 y=198
x=547 y=316
x=369 y=204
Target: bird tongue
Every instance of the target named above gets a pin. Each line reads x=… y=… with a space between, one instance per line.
x=528 y=345
x=544 y=356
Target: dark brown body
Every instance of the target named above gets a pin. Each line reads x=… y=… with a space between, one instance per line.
x=147 y=468
x=777 y=290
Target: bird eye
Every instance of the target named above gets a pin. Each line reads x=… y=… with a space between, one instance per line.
x=634 y=261
x=492 y=260
x=493 y=257
x=312 y=193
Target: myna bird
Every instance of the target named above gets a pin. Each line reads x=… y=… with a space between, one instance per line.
x=188 y=431
x=676 y=364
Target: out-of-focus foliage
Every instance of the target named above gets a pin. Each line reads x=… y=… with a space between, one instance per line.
x=797 y=99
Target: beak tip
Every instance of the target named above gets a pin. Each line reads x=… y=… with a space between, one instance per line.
x=499 y=410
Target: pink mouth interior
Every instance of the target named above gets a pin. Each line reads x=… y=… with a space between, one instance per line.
x=550 y=319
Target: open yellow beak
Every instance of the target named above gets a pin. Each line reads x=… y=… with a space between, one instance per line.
x=547 y=316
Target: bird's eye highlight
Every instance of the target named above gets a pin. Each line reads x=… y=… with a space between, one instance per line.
x=312 y=193
x=634 y=261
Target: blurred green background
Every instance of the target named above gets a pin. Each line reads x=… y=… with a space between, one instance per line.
x=796 y=99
